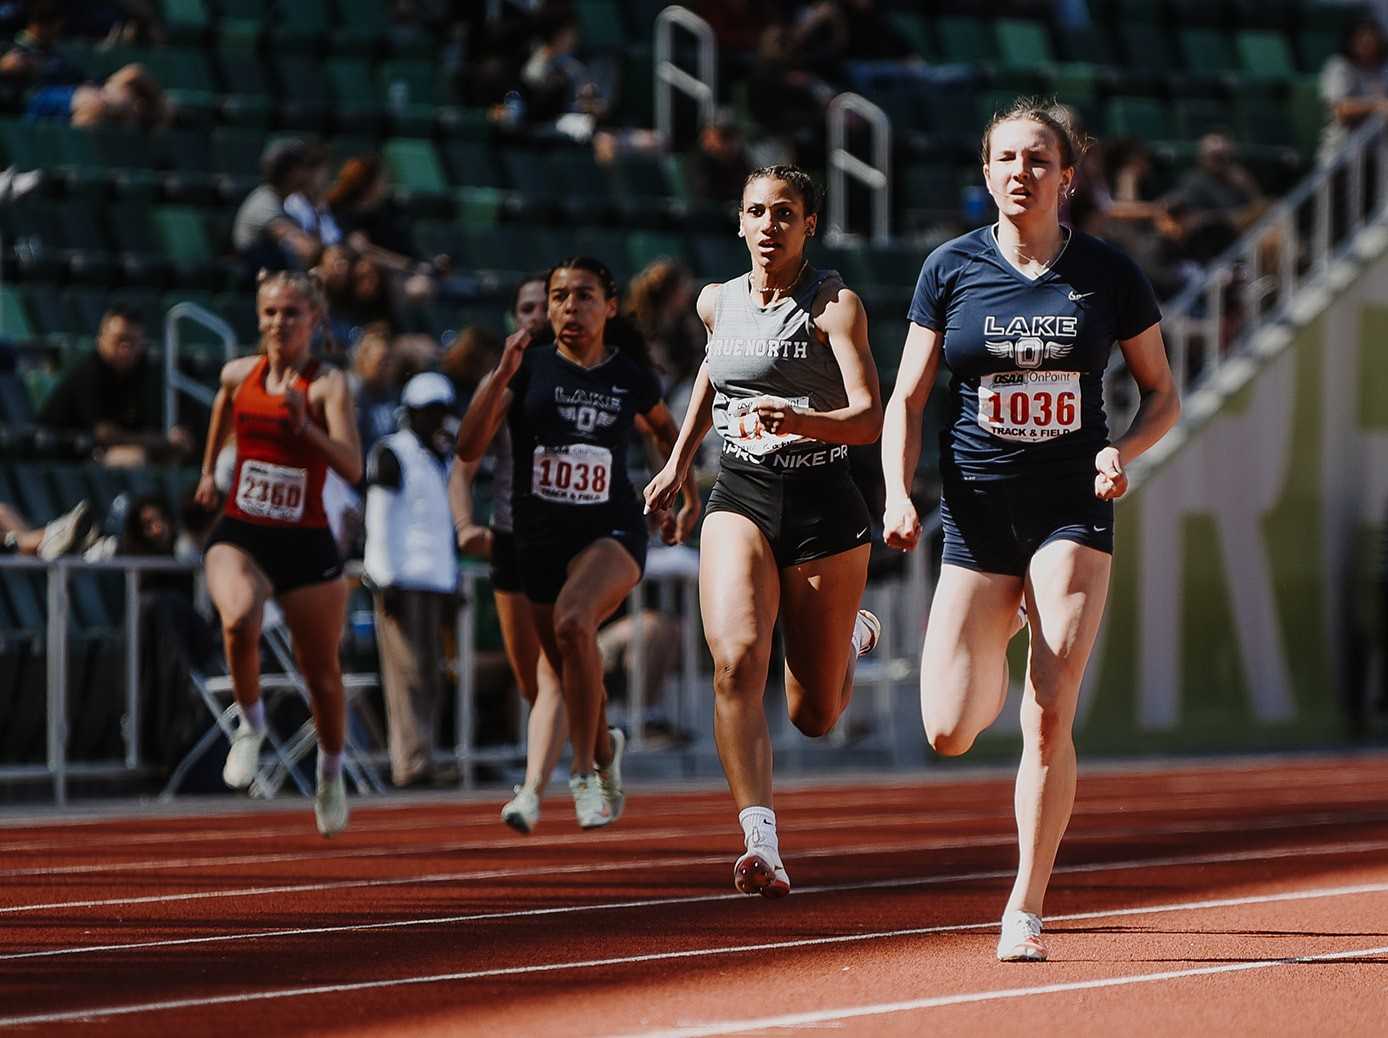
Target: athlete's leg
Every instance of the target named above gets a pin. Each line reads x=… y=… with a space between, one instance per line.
x=1067 y=585
x=598 y=579
x=315 y=615
x=739 y=596
x=239 y=590
x=538 y=683
x=819 y=605
x=963 y=663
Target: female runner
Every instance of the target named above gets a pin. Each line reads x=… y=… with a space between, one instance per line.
x=1024 y=315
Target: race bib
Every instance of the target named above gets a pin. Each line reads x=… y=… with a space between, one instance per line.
x=745 y=429
x=576 y=474
x=271 y=491
x=1029 y=406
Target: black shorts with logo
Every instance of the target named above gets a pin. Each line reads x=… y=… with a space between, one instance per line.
x=291 y=556
x=543 y=561
x=506 y=575
x=805 y=514
x=996 y=526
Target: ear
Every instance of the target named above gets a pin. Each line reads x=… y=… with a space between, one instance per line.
x=811 y=225
x=740 y=234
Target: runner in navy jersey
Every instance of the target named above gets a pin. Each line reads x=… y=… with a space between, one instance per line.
x=581 y=536
x=789 y=383
x=1024 y=315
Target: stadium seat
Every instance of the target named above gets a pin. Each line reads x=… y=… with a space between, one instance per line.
x=600 y=25
x=915 y=30
x=964 y=39
x=14 y=319
x=1023 y=44
x=1265 y=54
x=1140 y=117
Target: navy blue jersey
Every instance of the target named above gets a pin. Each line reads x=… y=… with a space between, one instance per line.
x=1026 y=356
x=569 y=428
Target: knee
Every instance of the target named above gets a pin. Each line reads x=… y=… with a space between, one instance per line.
x=1048 y=729
x=737 y=670
x=812 y=720
x=574 y=630
x=241 y=627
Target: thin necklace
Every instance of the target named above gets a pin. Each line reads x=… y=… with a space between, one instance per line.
x=794 y=281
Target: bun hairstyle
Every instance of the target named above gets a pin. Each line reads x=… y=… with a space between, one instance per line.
x=309 y=284
x=1060 y=119
x=811 y=194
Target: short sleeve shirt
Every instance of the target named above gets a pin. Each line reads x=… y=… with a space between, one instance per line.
x=1027 y=356
x=261 y=208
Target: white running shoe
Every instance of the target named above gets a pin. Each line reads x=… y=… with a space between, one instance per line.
x=1021 y=938
x=66 y=533
x=243 y=759
x=589 y=804
x=759 y=870
x=330 y=805
x=610 y=777
x=871 y=629
x=522 y=811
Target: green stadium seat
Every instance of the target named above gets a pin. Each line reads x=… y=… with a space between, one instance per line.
x=1265 y=54
x=1140 y=117
x=479 y=206
x=1207 y=51
x=643 y=191
x=1197 y=116
x=415 y=165
x=183 y=236
x=1146 y=47
x=565 y=182
x=915 y=30
x=353 y=90
x=600 y=25
x=1023 y=44
x=14 y=318
x=644 y=247
x=473 y=164
x=301 y=24
x=966 y=40
x=186 y=20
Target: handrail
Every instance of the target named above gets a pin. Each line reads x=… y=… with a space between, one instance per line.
x=703 y=88
x=175 y=381
x=876 y=176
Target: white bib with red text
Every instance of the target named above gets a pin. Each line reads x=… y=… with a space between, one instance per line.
x=745 y=428
x=1029 y=406
x=575 y=474
x=271 y=491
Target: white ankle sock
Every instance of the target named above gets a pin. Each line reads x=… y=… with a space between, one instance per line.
x=254 y=715
x=329 y=764
x=861 y=635
x=759 y=818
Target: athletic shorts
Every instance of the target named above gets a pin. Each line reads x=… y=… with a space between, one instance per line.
x=543 y=562
x=291 y=556
x=506 y=574
x=810 y=515
x=996 y=526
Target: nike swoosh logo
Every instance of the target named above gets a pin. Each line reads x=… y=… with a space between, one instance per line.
x=861 y=532
x=1075 y=297
x=1100 y=529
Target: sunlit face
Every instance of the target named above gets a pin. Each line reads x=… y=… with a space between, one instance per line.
x=578 y=308
x=773 y=221
x=286 y=317
x=1024 y=172
x=531 y=307
x=121 y=343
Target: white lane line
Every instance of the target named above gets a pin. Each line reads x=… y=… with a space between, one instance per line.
x=1267 y=854
x=823 y=1016
x=1312 y=893
x=963 y=843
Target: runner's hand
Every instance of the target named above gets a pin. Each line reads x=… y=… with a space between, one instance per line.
x=661 y=490
x=298 y=410
x=1110 y=481
x=778 y=417
x=686 y=519
x=513 y=353
x=901 y=525
x=206 y=496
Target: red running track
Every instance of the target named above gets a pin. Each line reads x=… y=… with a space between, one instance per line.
x=1231 y=898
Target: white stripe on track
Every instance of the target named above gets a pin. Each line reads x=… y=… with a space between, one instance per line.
x=1268 y=854
x=694 y=953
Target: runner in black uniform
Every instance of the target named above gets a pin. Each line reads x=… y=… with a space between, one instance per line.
x=1024 y=314
x=581 y=536
x=788 y=383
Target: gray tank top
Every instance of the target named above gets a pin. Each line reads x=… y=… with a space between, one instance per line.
x=499 y=453
x=775 y=351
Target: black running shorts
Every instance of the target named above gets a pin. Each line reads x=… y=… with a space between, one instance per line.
x=543 y=562
x=506 y=575
x=291 y=556
x=810 y=515
x=996 y=527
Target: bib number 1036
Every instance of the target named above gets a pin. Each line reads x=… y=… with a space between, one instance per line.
x=1029 y=406
x=576 y=474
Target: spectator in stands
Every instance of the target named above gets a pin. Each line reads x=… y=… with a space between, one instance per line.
x=556 y=82
x=660 y=302
x=34 y=58
x=1216 y=201
x=115 y=394
x=374 y=383
x=309 y=207
x=738 y=24
x=719 y=166
x=411 y=563
x=65 y=534
x=473 y=352
x=1354 y=83
x=130 y=96
x=786 y=100
x=368 y=299
x=264 y=235
x=335 y=271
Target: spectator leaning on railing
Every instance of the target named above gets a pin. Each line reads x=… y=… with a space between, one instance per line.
x=264 y=235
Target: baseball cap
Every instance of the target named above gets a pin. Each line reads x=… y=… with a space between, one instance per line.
x=426 y=389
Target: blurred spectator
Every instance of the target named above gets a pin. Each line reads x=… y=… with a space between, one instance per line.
x=660 y=302
x=377 y=391
x=718 y=168
x=1216 y=201
x=65 y=534
x=263 y=234
x=335 y=271
x=556 y=82
x=411 y=564
x=368 y=300
x=115 y=394
x=473 y=353
x=34 y=57
x=660 y=644
x=738 y=24
x=784 y=98
x=1354 y=83
x=309 y=207
x=130 y=96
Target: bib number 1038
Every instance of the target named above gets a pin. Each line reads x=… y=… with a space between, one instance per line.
x=576 y=474
x=1029 y=406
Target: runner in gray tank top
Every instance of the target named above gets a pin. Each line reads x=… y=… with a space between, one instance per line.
x=546 y=730
x=790 y=384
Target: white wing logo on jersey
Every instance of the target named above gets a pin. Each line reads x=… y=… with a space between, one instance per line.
x=1029 y=352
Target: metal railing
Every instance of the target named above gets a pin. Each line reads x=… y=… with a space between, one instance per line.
x=669 y=77
x=175 y=381
x=876 y=176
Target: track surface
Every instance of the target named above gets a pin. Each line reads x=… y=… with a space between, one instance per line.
x=1238 y=898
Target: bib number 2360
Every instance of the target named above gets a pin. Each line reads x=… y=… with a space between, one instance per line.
x=271 y=491
x=1029 y=406
x=576 y=474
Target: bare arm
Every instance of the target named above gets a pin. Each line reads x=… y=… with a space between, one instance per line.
x=474 y=540
x=219 y=427
x=1159 y=407
x=901 y=433
x=660 y=491
x=661 y=435
x=491 y=401
x=340 y=443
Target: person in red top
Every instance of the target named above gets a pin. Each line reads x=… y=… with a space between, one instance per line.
x=293 y=420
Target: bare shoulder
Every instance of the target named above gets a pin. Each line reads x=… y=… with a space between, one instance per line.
x=234 y=372
x=836 y=305
x=328 y=383
x=707 y=306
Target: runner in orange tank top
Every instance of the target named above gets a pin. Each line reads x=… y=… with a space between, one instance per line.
x=293 y=420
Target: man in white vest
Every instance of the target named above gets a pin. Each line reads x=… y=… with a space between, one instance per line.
x=412 y=568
